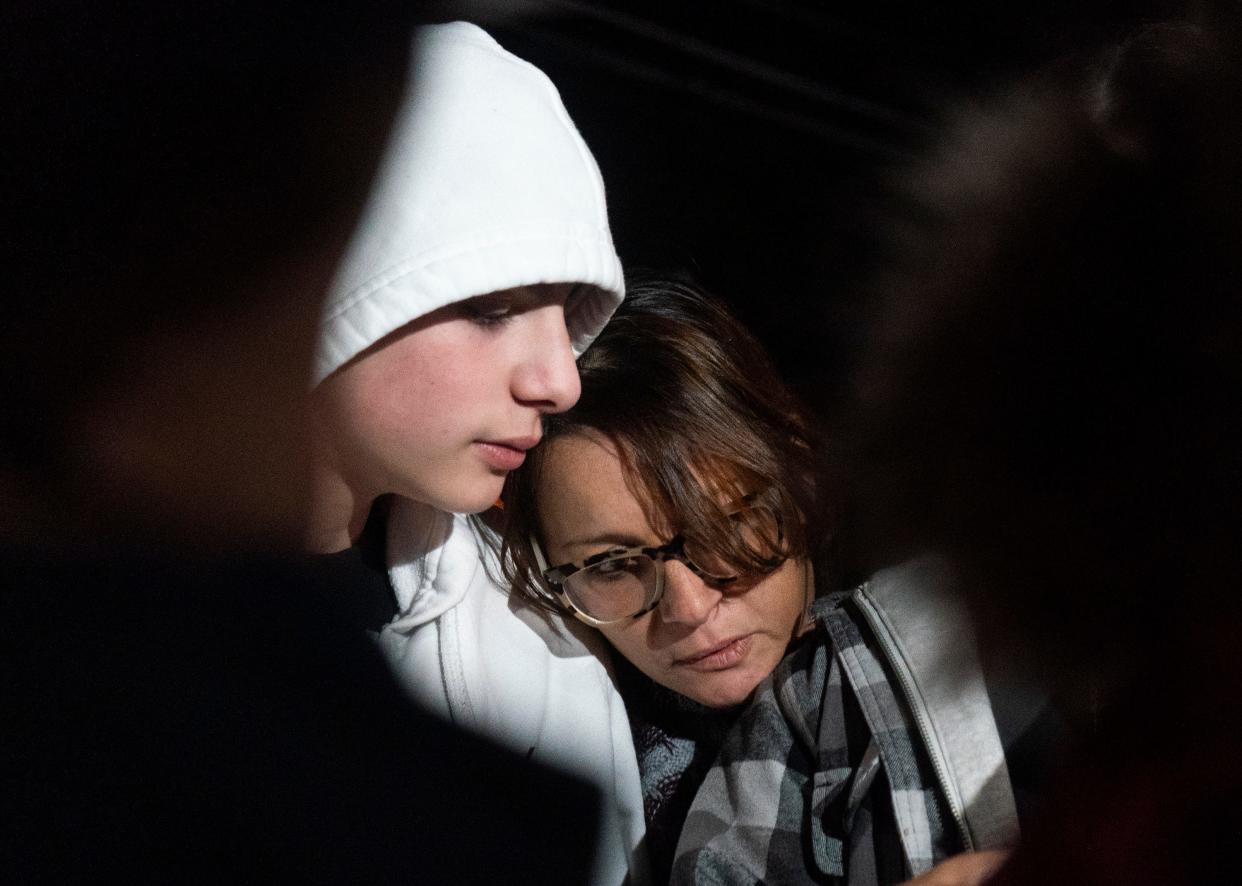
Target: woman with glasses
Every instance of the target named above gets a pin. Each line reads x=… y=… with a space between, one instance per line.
x=678 y=510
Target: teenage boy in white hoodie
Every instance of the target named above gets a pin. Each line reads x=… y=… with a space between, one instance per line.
x=482 y=266
x=183 y=700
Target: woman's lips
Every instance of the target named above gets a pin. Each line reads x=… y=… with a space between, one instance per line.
x=719 y=657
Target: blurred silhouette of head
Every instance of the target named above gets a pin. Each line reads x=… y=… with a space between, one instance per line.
x=1052 y=392
x=184 y=178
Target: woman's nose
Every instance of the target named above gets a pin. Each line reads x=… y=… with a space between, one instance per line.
x=687 y=599
x=547 y=377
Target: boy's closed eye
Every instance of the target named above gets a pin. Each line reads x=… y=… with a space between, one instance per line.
x=493 y=309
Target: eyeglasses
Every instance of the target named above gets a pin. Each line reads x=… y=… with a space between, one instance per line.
x=622 y=583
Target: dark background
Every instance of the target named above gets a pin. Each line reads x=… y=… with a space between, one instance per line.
x=753 y=143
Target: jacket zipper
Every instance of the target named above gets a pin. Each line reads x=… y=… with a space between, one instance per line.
x=921 y=718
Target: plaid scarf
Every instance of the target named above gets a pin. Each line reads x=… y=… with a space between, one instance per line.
x=676 y=740
x=821 y=779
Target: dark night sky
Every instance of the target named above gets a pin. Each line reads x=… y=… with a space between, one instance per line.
x=752 y=143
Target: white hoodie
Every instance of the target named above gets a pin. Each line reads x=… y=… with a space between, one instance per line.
x=486 y=185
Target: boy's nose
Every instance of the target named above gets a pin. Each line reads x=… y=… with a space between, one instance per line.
x=548 y=376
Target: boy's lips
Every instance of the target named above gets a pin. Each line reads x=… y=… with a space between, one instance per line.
x=519 y=443
x=505 y=455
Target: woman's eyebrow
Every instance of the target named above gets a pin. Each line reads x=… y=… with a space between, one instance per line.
x=607 y=537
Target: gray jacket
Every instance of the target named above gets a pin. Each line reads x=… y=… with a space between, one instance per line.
x=925 y=637
x=884 y=704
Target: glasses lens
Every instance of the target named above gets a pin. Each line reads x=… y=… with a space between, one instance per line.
x=759 y=531
x=613 y=589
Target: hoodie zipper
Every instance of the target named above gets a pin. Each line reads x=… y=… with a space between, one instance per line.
x=921 y=718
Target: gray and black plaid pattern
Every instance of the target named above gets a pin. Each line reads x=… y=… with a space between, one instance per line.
x=790 y=798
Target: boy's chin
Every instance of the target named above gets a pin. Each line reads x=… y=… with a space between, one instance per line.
x=474 y=501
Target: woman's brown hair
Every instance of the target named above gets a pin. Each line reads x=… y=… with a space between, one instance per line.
x=698 y=416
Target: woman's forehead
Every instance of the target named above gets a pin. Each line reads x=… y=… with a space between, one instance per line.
x=584 y=494
x=583 y=470
x=588 y=483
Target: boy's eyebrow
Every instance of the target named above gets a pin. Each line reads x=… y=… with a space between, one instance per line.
x=538 y=294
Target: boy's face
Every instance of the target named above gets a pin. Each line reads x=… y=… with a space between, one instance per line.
x=441 y=410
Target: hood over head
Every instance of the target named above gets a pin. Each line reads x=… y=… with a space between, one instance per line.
x=485 y=185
